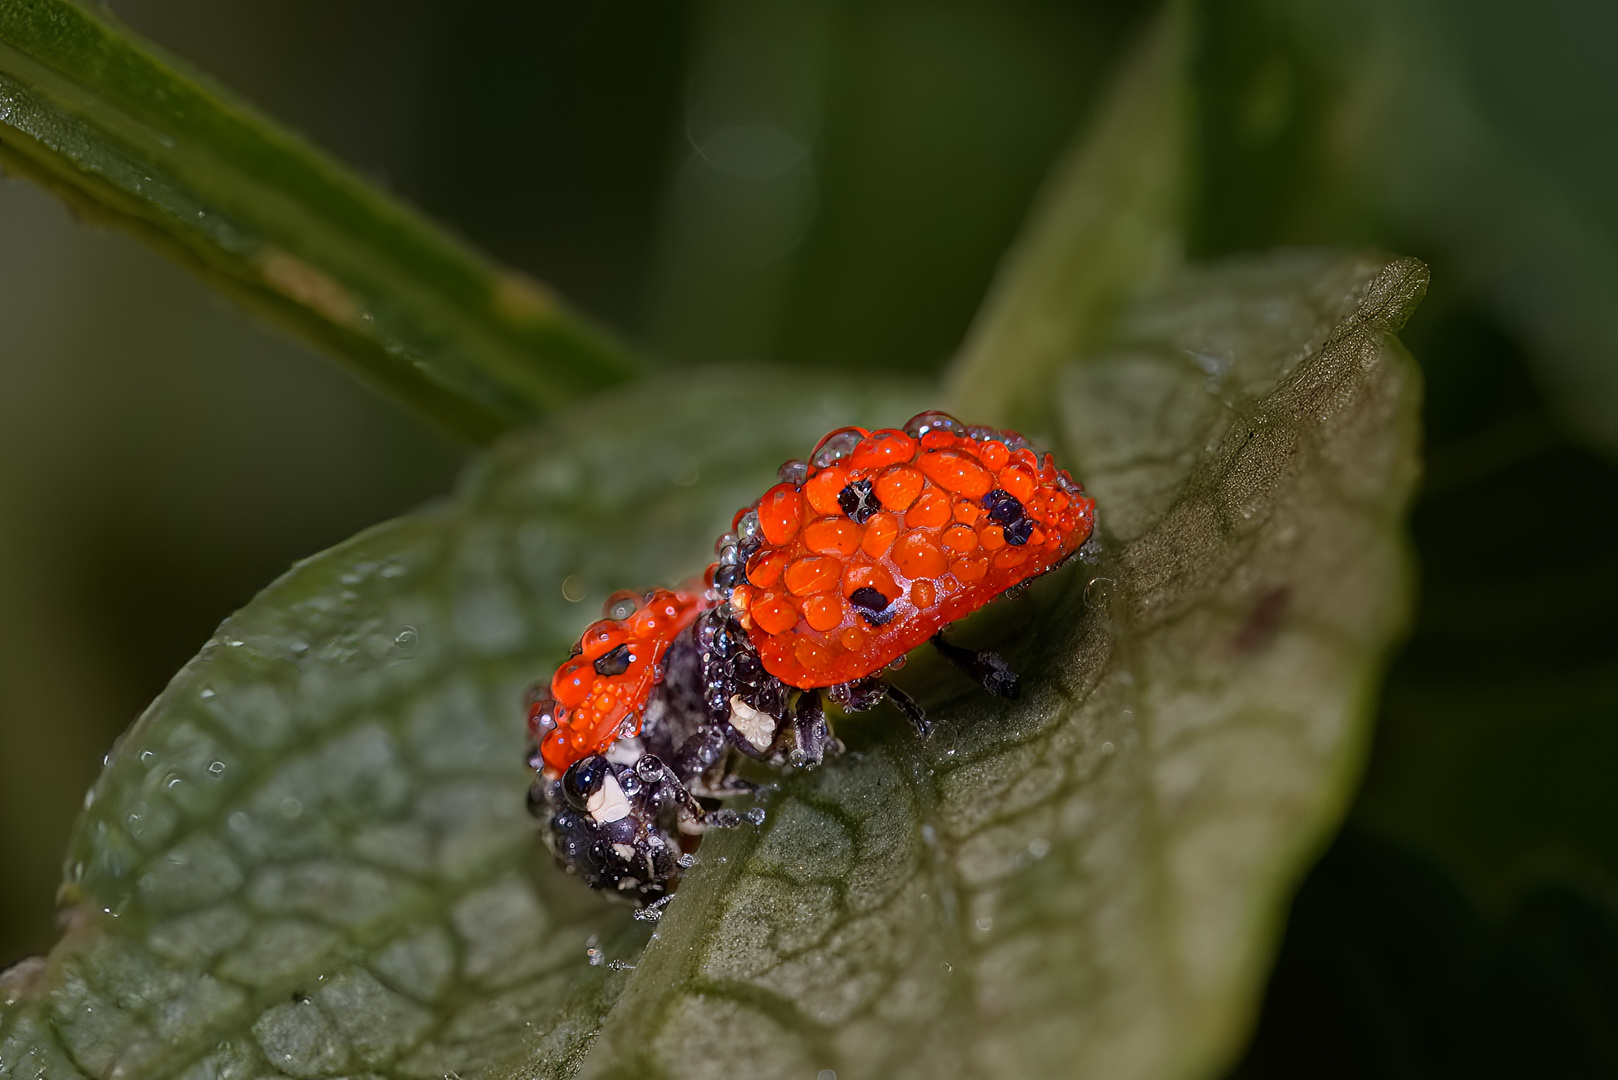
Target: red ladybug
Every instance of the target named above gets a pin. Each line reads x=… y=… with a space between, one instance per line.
x=600 y=732
x=599 y=694
x=873 y=546
x=883 y=538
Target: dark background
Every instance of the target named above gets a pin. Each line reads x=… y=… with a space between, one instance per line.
x=831 y=184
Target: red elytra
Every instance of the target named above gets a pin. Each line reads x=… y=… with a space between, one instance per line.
x=894 y=537
x=597 y=690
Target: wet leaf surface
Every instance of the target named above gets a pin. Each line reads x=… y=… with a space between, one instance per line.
x=1090 y=881
x=310 y=858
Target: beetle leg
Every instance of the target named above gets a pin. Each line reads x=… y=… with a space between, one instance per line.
x=652 y=770
x=913 y=712
x=810 y=735
x=723 y=787
x=987 y=669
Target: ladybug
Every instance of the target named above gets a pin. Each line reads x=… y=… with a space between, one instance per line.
x=873 y=546
x=598 y=694
x=602 y=732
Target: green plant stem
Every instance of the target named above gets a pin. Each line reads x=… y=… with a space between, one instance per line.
x=127 y=137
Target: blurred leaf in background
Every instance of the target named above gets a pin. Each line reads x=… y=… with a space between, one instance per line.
x=1465 y=922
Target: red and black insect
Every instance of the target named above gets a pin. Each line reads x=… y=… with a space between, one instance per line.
x=870 y=548
x=600 y=733
x=881 y=540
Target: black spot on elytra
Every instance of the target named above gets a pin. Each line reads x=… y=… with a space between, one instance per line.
x=1003 y=506
x=858 y=501
x=872 y=605
x=1006 y=510
x=614 y=661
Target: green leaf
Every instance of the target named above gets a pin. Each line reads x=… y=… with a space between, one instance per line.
x=1090 y=882
x=311 y=857
x=130 y=138
x=1108 y=224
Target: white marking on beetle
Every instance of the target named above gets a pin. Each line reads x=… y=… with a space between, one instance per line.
x=625 y=851
x=608 y=803
x=756 y=727
x=625 y=752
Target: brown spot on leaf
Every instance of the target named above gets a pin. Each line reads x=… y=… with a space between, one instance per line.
x=1263 y=619
x=298 y=281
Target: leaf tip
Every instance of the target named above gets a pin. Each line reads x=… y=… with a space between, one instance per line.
x=1393 y=295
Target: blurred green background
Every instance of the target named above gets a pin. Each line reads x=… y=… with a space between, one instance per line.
x=832 y=183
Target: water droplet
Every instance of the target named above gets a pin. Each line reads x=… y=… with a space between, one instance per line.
x=239 y=821
x=217 y=768
x=827 y=1074
x=1097 y=591
x=946 y=967
x=1107 y=748
x=1039 y=848
x=1128 y=716
x=688 y=473
x=595 y=956
x=405 y=641
x=574 y=588
x=291 y=807
x=985 y=924
x=206 y=693
x=146 y=757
